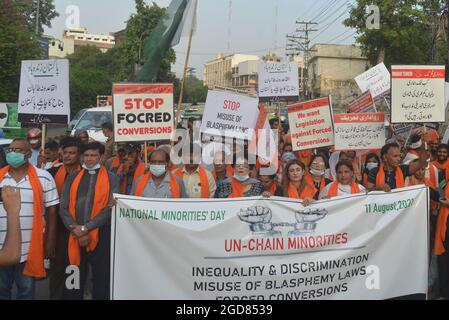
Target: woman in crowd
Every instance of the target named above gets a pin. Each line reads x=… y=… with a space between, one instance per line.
x=345 y=183
x=294 y=184
x=317 y=170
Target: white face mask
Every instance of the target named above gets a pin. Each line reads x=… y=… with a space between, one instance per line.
x=241 y=178
x=319 y=173
x=34 y=141
x=157 y=170
x=371 y=165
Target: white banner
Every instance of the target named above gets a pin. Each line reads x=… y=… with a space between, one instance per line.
x=142 y=112
x=44 y=92
x=355 y=247
x=230 y=115
x=359 y=131
x=311 y=124
x=278 y=80
x=417 y=94
x=377 y=80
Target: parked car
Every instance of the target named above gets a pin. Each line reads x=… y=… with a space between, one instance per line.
x=92 y=120
x=75 y=119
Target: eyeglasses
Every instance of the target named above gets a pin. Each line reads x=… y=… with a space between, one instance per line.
x=317 y=163
x=242 y=165
x=17 y=150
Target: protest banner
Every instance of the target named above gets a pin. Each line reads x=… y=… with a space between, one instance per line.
x=350 y=247
x=231 y=115
x=362 y=104
x=44 y=92
x=142 y=112
x=278 y=80
x=376 y=80
x=9 y=116
x=359 y=131
x=311 y=124
x=417 y=94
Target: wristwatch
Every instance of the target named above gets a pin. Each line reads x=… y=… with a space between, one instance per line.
x=83 y=229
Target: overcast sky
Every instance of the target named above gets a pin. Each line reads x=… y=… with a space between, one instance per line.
x=250 y=27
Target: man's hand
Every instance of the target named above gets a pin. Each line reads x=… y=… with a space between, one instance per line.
x=50 y=247
x=77 y=232
x=11 y=200
x=84 y=241
x=111 y=203
x=267 y=194
x=444 y=202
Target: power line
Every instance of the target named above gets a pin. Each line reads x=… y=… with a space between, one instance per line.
x=329 y=25
x=324 y=10
x=334 y=12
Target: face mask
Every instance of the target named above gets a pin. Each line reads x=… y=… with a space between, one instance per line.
x=34 y=141
x=158 y=170
x=371 y=165
x=95 y=167
x=241 y=178
x=317 y=172
x=15 y=159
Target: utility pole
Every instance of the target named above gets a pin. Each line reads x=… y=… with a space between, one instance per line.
x=37 y=16
x=300 y=42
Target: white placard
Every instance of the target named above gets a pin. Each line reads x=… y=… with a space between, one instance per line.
x=44 y=92
x=418 y=94
x=376 y=79
x=278 y=80
x=359 y=131
x=230 y=115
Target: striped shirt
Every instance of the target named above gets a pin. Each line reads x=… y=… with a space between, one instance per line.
x=50 y=198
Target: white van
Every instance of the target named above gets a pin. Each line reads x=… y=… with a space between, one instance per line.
x=92 y=120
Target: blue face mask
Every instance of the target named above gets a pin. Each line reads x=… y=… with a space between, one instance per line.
x=157 y=170
x=15 y=159
x=241 y=178
x=95 y=167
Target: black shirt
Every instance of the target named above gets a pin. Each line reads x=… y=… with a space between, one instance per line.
x=390 y=177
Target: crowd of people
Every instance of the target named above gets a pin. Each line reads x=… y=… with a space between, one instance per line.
x=66 y=192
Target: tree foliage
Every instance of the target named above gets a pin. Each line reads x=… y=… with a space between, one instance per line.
x=28 y=9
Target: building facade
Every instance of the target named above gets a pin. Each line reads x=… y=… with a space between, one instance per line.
x=81 y=37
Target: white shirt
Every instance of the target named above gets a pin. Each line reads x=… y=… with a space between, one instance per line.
x=34 y=157
x=50 y=198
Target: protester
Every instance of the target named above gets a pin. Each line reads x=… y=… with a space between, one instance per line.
x=83 y=135
x=112 y=164
x=294 y=183
x=415 y=144
x=71 y=154
x=240 y=185
x=108 y=132
x=10 y=253
x=198 y=181
x=159 y=182
x=345 y=183
x=391 y=174
x=86 y=212
x=131 y=169
x=37 y=191
x=271 y=185
x=51 y=155
x=274 y=124
x=34 y=137
x=316 y=174
x=442 y=164
x=434 y=141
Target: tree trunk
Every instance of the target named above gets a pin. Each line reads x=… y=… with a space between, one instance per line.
x=381 y=55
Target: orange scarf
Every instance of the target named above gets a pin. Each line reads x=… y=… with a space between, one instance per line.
x=308 y=192
x=140 y=171
x=61 y=175
x=440 y=233
x=273 y=188
x=203 y=180
x=174 y=186
x=34 y=266
x=333 y=189
x=115 y=162
x=380 y=179
x=237 y=189
x=310 y=181
x=101 y=200
x=229 y=172
x=440 y=166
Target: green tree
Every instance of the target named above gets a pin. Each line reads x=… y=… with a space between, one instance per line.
x=28 y=9
x=16 y=44
x=194 y=90
x=138 y=28
x=404 y=33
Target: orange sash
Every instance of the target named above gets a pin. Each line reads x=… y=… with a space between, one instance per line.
x=101 y=200
x=61 y=176
x=174 y=186
x=203 y=180
x=115 y=162
x=380 y=178
x=237 y=189
x=440 y=233
x=34 y=266
x=273 y=188
x=333 y=189
x=308 y=192
x=140 y=171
